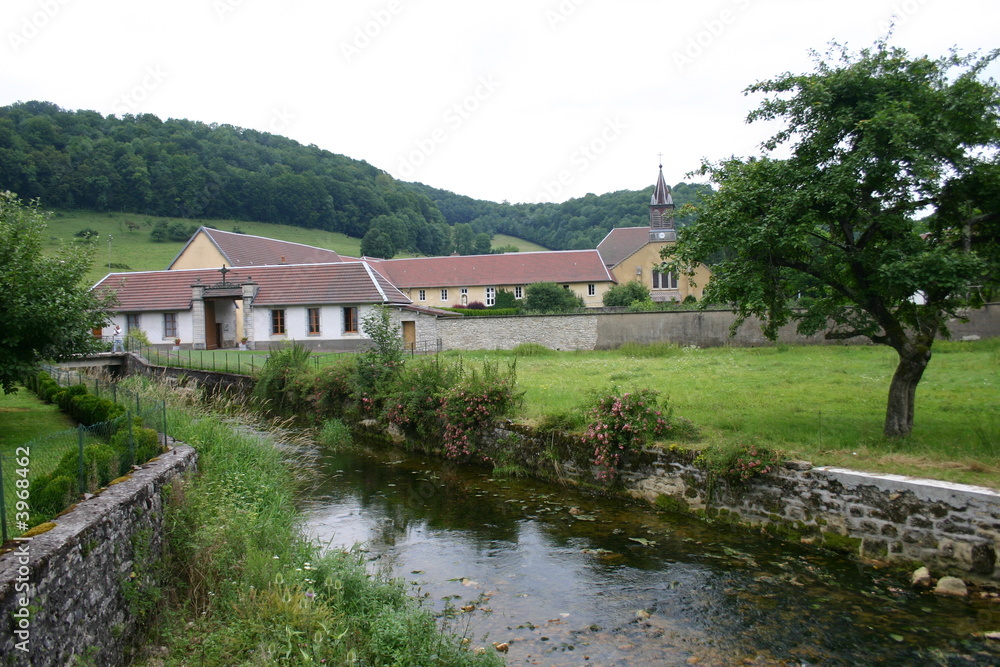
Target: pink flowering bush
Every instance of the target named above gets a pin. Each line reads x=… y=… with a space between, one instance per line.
x=623 y=423
x=437 y=400
x=739 y=464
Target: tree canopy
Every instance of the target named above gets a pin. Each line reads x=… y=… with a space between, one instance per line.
x=550 y=298
x=881 y=222
x=47 y=313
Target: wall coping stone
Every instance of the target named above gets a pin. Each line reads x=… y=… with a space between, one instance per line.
x=930 y=490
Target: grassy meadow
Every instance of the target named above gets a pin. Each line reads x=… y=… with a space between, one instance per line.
x=25 y=417
x=135 y=249
x=822 y=404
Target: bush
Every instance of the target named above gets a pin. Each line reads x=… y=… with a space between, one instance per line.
x=146 y=442
x=505 y=300
x=51 y=494
x=531 y=350
x=550 y=298
x=624 y=423
x=278 y=372
x=625 y=294
x=333 y=387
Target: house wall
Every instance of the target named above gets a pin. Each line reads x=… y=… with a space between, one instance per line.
x=639 y=266
x=478 y=293
x=151 y=323
x=199 y=254
x=332 y=334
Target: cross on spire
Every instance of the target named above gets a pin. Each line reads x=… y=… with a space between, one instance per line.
x=661 y=159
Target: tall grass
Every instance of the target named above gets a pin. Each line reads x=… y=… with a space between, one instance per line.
x=245 y=587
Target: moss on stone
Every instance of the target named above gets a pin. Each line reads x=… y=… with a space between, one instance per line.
x=123 y=478
x=40 y=528
x=672 y=504
x=841 y=543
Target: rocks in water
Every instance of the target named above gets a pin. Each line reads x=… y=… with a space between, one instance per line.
x=921 y=578
x=951 y=586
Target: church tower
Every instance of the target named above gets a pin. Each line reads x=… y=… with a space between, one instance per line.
x=661 y=212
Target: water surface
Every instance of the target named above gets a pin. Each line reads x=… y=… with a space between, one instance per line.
x=569 y=579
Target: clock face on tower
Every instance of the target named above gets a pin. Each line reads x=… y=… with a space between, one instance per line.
x=662 y=235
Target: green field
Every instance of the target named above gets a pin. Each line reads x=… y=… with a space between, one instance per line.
x=136 y=250
x=25 y=417
x=822 y=404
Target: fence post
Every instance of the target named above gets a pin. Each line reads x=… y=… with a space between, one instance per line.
x=164 y=424
x=3 y=506
x=131 y=439
x=80 y=431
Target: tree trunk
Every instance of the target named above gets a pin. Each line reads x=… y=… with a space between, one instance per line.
x=913 y=359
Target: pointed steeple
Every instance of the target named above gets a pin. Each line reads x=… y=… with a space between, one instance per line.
x=661 y=211
x=661 y=195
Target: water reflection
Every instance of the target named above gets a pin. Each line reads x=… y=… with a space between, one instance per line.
x=568 y=579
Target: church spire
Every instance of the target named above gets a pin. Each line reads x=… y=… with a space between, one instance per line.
x=661 y=211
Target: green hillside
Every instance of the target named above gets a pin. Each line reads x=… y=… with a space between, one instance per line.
x=204 y=173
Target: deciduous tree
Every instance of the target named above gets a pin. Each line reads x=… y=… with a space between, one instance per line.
x=869 y=213
x=47 y=312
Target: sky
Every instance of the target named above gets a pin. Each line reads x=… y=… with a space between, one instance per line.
x=517 y=100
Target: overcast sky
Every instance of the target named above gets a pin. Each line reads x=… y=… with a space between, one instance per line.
x=518 y=100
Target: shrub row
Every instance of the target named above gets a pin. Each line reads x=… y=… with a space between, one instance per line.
x=75 y=401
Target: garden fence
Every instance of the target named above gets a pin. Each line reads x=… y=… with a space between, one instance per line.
x=38 y=476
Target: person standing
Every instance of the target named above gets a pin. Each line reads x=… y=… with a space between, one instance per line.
x=116 y=340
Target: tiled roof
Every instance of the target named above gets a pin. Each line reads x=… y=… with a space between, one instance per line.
x=622 y=242
x=249 y=250
x=304 y=284
x=566 y=266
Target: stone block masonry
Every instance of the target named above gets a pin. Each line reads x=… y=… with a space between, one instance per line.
x=950 y=528
x=80 y=590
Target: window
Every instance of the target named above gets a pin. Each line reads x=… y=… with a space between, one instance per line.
x=422 y=295
x=465 y=291
x=518 y=292
x=132 y=322
x=444 y=295
x=313 y=315
x=170 y=325
x=491 y=296
x=591 y=289
x=277 y=322
x=351 y=320
x=664 y=280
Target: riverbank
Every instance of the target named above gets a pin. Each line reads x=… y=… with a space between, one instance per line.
x=244 y=587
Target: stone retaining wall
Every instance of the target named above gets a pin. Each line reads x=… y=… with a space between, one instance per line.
x=79 y=591
x=950 y=528
x=607 y=330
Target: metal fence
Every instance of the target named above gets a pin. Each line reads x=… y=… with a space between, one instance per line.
x=42 y=477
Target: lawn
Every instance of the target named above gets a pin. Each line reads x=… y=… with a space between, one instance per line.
x=25 y=417
x=822 y=404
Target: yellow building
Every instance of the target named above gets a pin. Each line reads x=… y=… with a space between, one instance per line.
x=632 y=253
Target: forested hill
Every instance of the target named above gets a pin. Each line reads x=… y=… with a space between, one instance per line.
x=189 y=169
x=572 y=225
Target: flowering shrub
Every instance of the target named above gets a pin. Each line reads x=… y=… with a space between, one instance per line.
x=437 y=400
x=739 y=464
x=624 y=423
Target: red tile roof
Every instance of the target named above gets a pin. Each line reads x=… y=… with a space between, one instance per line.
x=249 y=250
x=566 y=266
x=306 y=284
x=622 y=242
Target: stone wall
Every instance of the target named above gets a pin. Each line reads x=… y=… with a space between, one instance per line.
x=609 y=330
x=950 y=528
x=79 y=590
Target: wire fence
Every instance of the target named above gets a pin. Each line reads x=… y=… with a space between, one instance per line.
x=43 y=477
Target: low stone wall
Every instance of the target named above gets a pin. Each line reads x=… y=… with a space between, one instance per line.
x=608 y=330
x=950 y=528
x=79 y=591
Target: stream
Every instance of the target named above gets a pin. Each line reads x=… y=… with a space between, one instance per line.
x=564 y=578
